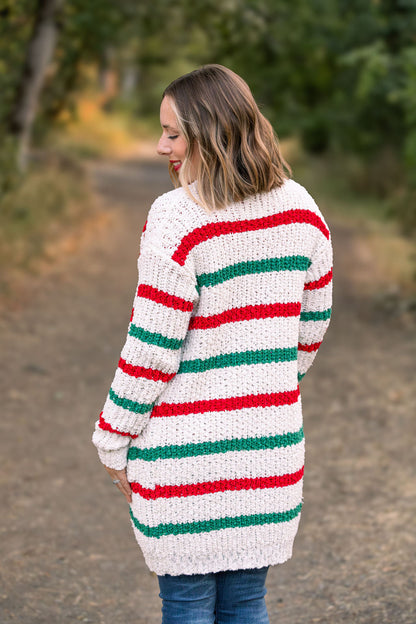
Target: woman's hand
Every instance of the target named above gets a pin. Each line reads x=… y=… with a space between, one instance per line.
x=120 y=477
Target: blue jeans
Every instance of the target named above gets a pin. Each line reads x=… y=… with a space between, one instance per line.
x=232 y=597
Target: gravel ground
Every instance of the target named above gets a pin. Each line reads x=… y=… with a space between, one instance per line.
x=67 y=551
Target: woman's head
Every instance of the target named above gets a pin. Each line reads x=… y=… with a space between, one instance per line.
x=215 y=134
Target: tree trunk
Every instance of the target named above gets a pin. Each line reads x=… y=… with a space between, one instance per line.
x=38 y=55
x=129 y=81
x=107 y=79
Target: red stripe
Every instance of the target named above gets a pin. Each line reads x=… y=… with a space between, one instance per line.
x=323 y=281
x=245 y=314
x=220 y=405
x=107 y=427
x=159 y=296
x=144 y=227
x=309 y=347
x=209 y=230
x=210 y=487
x=131 y=315
x=140 y=371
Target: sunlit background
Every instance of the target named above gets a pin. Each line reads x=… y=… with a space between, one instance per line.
x=79 y=80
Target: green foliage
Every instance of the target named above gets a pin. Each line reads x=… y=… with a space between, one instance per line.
x=9 y=175
x=87 y=32
x=16 y=21
x=341 y=74
x=40 y=209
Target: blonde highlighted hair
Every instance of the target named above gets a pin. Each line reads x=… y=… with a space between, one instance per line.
x=239 y=154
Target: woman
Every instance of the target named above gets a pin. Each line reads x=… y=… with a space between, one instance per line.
x=202 y=427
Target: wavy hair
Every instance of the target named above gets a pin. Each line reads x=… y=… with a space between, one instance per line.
x=239 y=151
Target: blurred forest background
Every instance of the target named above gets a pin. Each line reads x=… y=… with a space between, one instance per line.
x=83 y=80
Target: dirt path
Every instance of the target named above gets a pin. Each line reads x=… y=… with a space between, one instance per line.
x=67 y=551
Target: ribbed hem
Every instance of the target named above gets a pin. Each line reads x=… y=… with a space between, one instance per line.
x=269 y=555
x=114 y=459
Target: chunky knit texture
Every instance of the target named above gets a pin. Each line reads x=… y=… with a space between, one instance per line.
x=205 y=410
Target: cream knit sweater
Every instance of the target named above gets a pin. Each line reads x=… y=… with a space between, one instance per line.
x=204 y=409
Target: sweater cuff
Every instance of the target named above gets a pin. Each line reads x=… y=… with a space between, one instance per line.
x=114 y=459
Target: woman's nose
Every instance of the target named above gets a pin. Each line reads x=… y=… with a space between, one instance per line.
x=163 y=147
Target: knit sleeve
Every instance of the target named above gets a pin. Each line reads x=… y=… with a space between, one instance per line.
x=316 y=307
x=163 y=303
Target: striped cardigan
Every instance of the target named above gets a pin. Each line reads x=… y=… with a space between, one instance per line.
x=205 y=409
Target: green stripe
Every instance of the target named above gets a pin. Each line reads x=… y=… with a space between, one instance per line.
x=204 y=526
x=301 y=376
x=154 y=338
x=178 y=451
x=132 y=406
x=285 y=263
x=315 y=316
x=262 y=356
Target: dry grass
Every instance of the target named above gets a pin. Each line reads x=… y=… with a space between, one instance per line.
x=47 y=214
x=94 y=133
x=43 y=219
x=394 y=255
